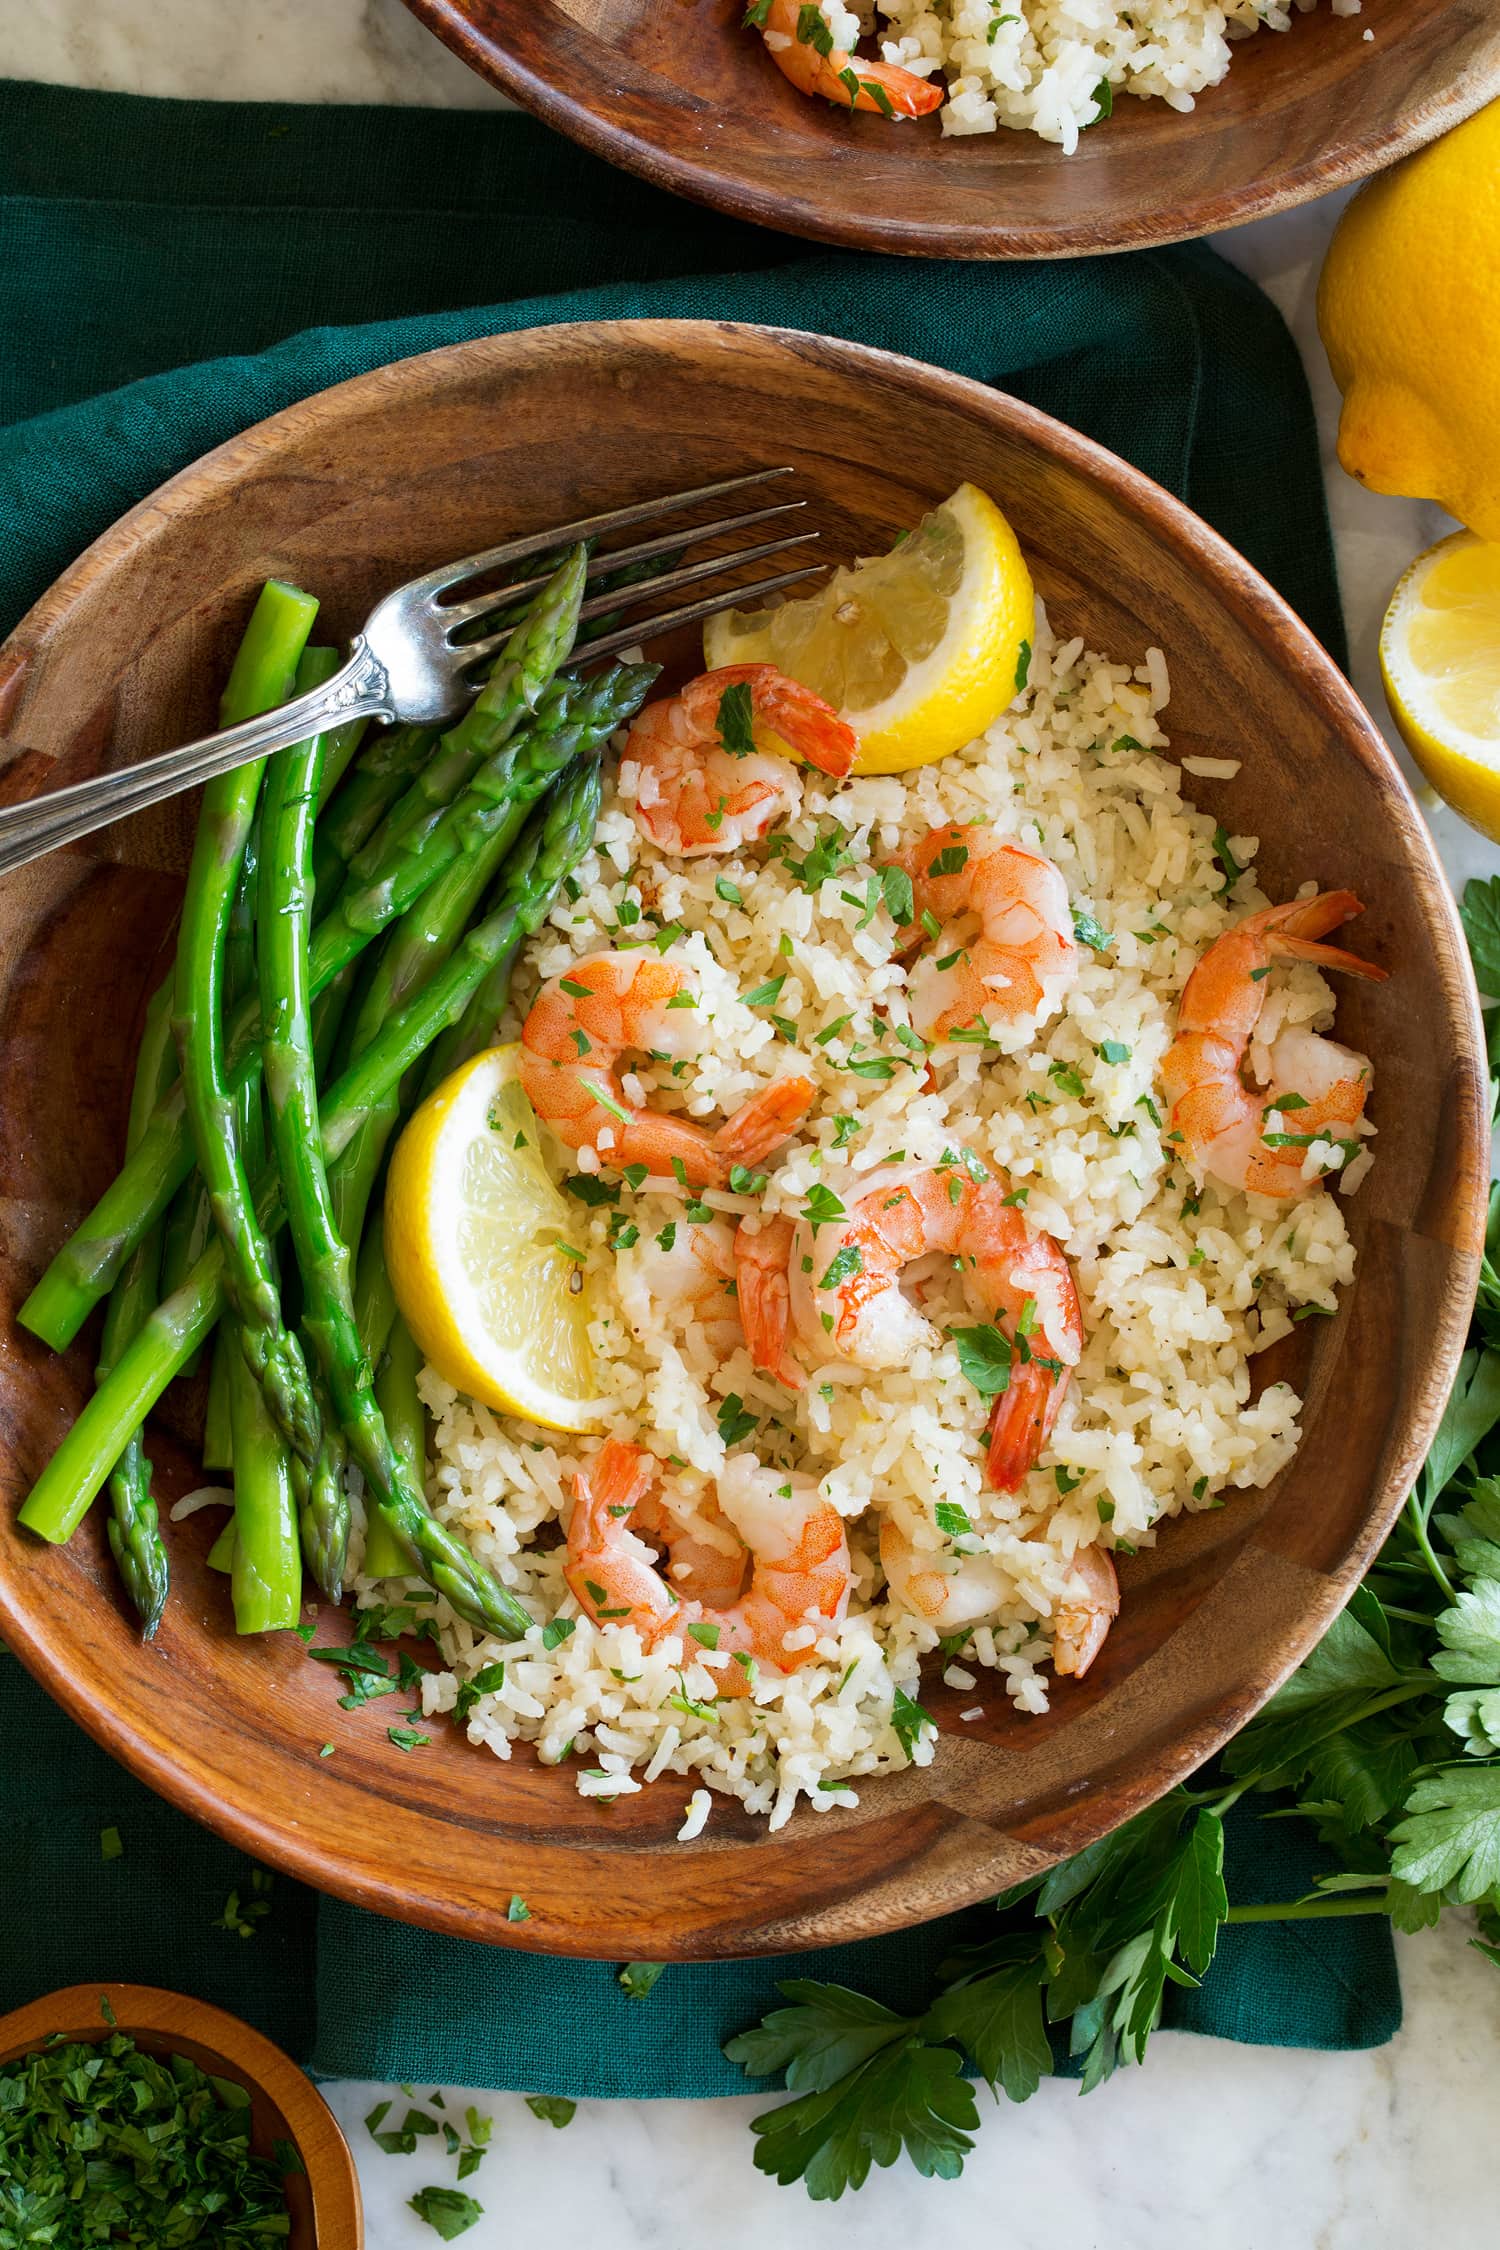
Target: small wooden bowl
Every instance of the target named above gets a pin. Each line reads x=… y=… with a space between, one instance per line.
x=683 y=95
x=349 y=493
x=284 y=2103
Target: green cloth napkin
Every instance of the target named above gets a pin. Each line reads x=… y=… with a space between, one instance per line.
x=171 y=272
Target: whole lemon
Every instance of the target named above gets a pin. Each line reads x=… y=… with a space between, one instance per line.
x=1409 y=312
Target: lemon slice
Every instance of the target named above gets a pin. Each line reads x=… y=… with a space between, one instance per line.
x=920 y=650
x=479 y=1250
x=1440 y=660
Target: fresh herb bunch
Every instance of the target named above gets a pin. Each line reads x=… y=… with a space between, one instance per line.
x=1386 y=1742
x=102 y=2143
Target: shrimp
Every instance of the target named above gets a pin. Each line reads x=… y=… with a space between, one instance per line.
x=794 y=1539
x=1006 y=953
x=948 y=1591
x=691 y=1275
x=762 y=1259
x=951 y=1592
x=817 y=68
x=709 y=1570
x=845 y=1295
x=579 y=1026
x=1317 y=1086
x=700 y=787
x=1084 y=1617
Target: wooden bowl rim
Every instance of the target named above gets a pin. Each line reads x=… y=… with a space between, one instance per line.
x=701 y=182
x=333 y=2183
x=1264 y=616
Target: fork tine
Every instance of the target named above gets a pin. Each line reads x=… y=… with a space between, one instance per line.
x=647 y=628
x=626 y=597
x=588 y=527
x=457 y=614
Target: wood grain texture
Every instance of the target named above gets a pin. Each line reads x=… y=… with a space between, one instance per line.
x=677 y=91
x=350 y=492
x=325 y=2205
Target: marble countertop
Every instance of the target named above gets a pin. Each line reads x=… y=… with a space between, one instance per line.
x=1239 y=2148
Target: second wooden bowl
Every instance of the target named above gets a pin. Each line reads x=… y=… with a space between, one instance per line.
x=685 y=96
x=352 y=491
x=323 y=2198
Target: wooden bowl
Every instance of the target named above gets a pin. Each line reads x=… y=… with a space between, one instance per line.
x=284 y=2104
x=684 y=96
x=351 y=491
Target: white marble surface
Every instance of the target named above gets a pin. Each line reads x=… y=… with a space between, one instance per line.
x=1231 y=2147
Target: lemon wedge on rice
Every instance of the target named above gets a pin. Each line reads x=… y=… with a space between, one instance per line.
x=920 y=650
x=1440 y=660
x=478 y=1244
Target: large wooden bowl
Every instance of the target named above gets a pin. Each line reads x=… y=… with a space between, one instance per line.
x=677 y=91
x=350 y=492
x=323 y=2198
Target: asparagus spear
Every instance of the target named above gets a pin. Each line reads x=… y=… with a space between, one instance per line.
x=572 y=719
x=397 y=1397
x=134 y=1535
x=354 y=814
x=538 y=644
x=559 y=835
x=273 y=1352
x=88 y=1263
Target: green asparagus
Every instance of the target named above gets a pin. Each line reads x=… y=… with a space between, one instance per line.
x=88 y=1263
x=134 y=1534
x=224 y=829
x=560 y=833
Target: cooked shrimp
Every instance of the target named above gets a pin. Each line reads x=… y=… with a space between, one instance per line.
x=706 y=1558
x=1317 y=1087
x=699 y=788
x=601 y=1008
x=798 y=1555
x=947 y=1590
x=837 y=75
x=952 y=1591
x=762 y=1258
x=845 y=1294
x=691 y=1275
x=1006 y=953
x=1084 y=1618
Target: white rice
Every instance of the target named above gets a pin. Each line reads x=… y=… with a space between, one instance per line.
x=1182 y=1283
x=1041 y=65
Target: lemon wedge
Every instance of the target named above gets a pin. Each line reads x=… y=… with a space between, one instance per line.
x=478 y=1243
x=1440 y=660
x=920 y=650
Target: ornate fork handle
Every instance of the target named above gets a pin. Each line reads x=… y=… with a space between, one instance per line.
x=361 y=689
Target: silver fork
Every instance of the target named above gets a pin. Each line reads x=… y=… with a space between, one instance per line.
x=412 y=663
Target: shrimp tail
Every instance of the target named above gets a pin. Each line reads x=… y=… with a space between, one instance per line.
x=1330 y=957
x=762 y=1270
x=765 y=1121
x=1021 y=1422
x=1083 y=1624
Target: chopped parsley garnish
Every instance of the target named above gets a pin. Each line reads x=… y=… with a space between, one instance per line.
x=1225 y=857
x=734 y=1423
x=729 y=892
x=822 y=1206
x=1112 y=1051
x=951 y=860
x=639 y=1979
x=1104 y=101
x=407 y=1738
x=742 y=1181
x=951 y=1519
x=448 y=2211
x=764 y=994
x=668 y=1236
x=871 y=1066
x=1067 y=1078
x=845 y=1130
x=485 y=1681
x=896 y=889
x=557 y=1630
x=518 y=1910
x=908 y=1719
x=556 y=2109
x=1023 y=666
x=590 y=1189
x=843 y=1266
x=735 y=718
x=1091 y=933
x=985 y=1356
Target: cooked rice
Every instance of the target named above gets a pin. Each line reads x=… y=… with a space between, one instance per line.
x=1182 y=1283
x=1039 y=65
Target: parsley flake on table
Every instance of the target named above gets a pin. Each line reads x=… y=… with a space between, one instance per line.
x=552 y=2109
x=448 y=2211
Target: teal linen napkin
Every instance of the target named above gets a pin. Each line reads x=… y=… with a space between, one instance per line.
x=169 y=273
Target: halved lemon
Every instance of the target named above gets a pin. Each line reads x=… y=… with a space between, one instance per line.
x=1440 y=660
x=920 y=649
x=478 y=1243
